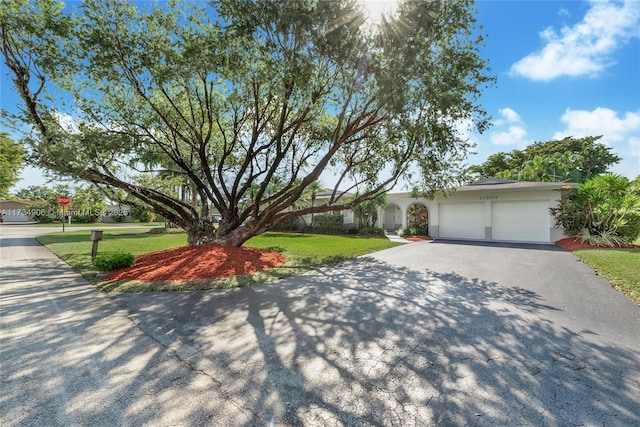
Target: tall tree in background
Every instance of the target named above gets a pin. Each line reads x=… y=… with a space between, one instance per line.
x=569 y=159
x=12 y=159
x=243 y=95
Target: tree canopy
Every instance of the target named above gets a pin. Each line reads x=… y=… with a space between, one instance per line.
x=237 y=107
x=11 y=162
x=569 y=159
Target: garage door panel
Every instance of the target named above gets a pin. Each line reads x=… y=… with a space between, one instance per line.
x=461 y=221
x=520 y=221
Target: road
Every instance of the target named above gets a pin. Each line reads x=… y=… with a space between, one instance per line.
x=422 y=334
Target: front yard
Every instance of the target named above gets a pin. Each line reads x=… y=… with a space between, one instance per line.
x=303 y=252
x=620 y=267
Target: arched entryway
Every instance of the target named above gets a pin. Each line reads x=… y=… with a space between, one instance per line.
x=418 y=220
x=392 y=217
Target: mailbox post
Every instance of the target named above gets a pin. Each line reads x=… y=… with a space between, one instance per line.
x=96 y=236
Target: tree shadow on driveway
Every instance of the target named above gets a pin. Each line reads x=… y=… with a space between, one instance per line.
x=368 y=343
x=70 y=356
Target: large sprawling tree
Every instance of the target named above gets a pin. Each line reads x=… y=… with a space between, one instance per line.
x=245 y=104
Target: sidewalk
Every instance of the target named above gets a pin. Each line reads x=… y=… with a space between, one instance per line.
x=395 y=238
x=71 y=356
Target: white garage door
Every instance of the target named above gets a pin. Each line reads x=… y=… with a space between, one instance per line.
x=521 y=221
x=461 y=220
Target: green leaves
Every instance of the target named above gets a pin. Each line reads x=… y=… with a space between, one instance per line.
x=12 y=157
x=604 y=207
x=240 y=106
x=569 y=160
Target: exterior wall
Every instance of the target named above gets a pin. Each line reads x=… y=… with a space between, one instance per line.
x=488 y=197
x=15 y=211
x=402 y=201
x=111 y=211
x=393 y=216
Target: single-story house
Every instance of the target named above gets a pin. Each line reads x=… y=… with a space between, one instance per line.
x=488 y=210
x=16 y=210
x=116 y=213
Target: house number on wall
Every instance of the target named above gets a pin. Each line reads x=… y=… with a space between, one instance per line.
x=488 y=197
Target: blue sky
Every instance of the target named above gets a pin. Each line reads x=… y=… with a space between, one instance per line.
x=564 y=68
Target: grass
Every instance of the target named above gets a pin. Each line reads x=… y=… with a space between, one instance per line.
x=618 y=266
x=304 y=252
x=98 y=225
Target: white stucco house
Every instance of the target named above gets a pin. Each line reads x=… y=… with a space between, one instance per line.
x=489 y=210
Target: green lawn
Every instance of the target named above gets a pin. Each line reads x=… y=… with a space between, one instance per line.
x=100 y=225
x=621 y=267
x=303 y=251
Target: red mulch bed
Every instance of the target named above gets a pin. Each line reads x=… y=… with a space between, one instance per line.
x=195 y=263
x=417 y=238
x=573 y=243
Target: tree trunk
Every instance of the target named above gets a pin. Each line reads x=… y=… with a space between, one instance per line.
x=235 y=236
x=200 y=232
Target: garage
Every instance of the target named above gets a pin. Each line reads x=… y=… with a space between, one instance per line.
x=15 y=210
x=520 y=221
x=461 y=220
x=489 y=210
x=499 y=210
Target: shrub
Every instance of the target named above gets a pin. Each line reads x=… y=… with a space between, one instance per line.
x=295 y=224
x=630 y=229
x=373 y=231
x=117 y=218
x=41 y=213
x=418 y=222
x=328 y=223
x=143 y=215
x=416 y=230
x=44 y=219
x=607 y=239
x=113 y=261
x=602 y=206
x=85 y=219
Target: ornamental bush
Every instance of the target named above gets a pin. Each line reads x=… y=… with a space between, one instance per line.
x=114 y=260
x=604 y=207
x=328 y=223
x=417 y=221
x=372 y=231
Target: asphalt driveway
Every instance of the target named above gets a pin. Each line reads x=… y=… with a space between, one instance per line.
x=422 y=334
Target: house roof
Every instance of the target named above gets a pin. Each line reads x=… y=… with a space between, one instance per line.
x=493 y=181
x=22 y=202
x=495 y=184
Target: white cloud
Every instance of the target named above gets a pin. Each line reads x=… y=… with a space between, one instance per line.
x=508 y=116
x=601 y=121
x=585 y=48
x=634 y=149
x=564 y=12
x=621 y=132
x=66 y=122
x=516 y=135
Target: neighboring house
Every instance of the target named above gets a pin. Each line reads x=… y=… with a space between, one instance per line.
x=322 y=198
x=16 y=210
x=489 y=210
x=116 y=213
